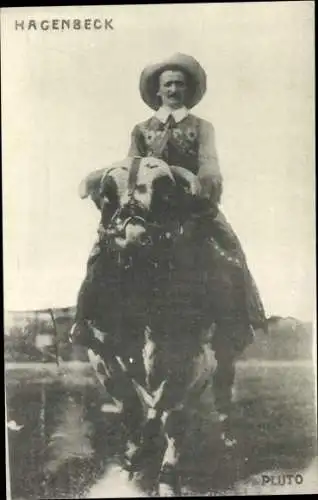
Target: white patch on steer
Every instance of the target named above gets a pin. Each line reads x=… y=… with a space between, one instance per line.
x=203 y=366
x=122 y=364
x=165 y=490
x=103 y=374
x=115 y=484
x=96 y=360
x=148 y=354
x=151 y=414
x=131 y=449
x=164 y=417
x=13 y=426
x=117 y=407
x=171 y=455
x=98 y=334
x=171 y=458
x=149 y=399
x=157 y=394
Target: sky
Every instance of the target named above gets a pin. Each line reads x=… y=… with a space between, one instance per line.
x=70 y=100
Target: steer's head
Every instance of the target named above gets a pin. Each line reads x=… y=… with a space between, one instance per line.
x=139 y=199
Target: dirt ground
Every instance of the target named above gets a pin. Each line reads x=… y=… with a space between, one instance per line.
x=61 y=445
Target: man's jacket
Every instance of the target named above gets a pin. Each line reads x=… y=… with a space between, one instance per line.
x=189 y=143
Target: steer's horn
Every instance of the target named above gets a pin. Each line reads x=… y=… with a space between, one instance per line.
x=187 y=180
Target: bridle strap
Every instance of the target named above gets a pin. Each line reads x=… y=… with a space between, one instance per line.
x=133 y=174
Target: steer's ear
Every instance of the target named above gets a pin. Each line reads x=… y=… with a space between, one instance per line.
x=90 y=185
x=97 y=185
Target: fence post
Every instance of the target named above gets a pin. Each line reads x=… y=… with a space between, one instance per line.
x=56 y=336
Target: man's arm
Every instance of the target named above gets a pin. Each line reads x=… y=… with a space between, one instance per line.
x=209 y=173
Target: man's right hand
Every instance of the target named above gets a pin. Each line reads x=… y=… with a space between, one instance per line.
x=189 y=180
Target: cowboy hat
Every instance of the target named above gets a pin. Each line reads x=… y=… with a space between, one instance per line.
x=148 y=84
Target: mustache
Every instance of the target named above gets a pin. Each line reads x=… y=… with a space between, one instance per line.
x=174 y=94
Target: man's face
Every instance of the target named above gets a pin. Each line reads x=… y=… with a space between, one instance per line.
x=172 y=88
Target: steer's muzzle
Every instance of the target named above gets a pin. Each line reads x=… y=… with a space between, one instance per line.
x=136 y=234
x=130 y=234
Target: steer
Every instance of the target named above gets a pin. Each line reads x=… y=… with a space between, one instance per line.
x=165 y=286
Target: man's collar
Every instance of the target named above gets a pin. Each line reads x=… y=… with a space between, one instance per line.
x=178 y=114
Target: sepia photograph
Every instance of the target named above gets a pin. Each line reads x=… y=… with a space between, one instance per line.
x=159 y=250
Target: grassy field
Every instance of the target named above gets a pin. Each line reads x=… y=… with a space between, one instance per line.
x=66 y=444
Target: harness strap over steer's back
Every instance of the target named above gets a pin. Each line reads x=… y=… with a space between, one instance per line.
x=133 y=174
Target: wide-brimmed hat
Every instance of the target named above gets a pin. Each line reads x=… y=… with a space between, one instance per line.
x=149 y=79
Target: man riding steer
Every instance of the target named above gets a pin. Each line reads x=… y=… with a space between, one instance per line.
x=171 y=88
